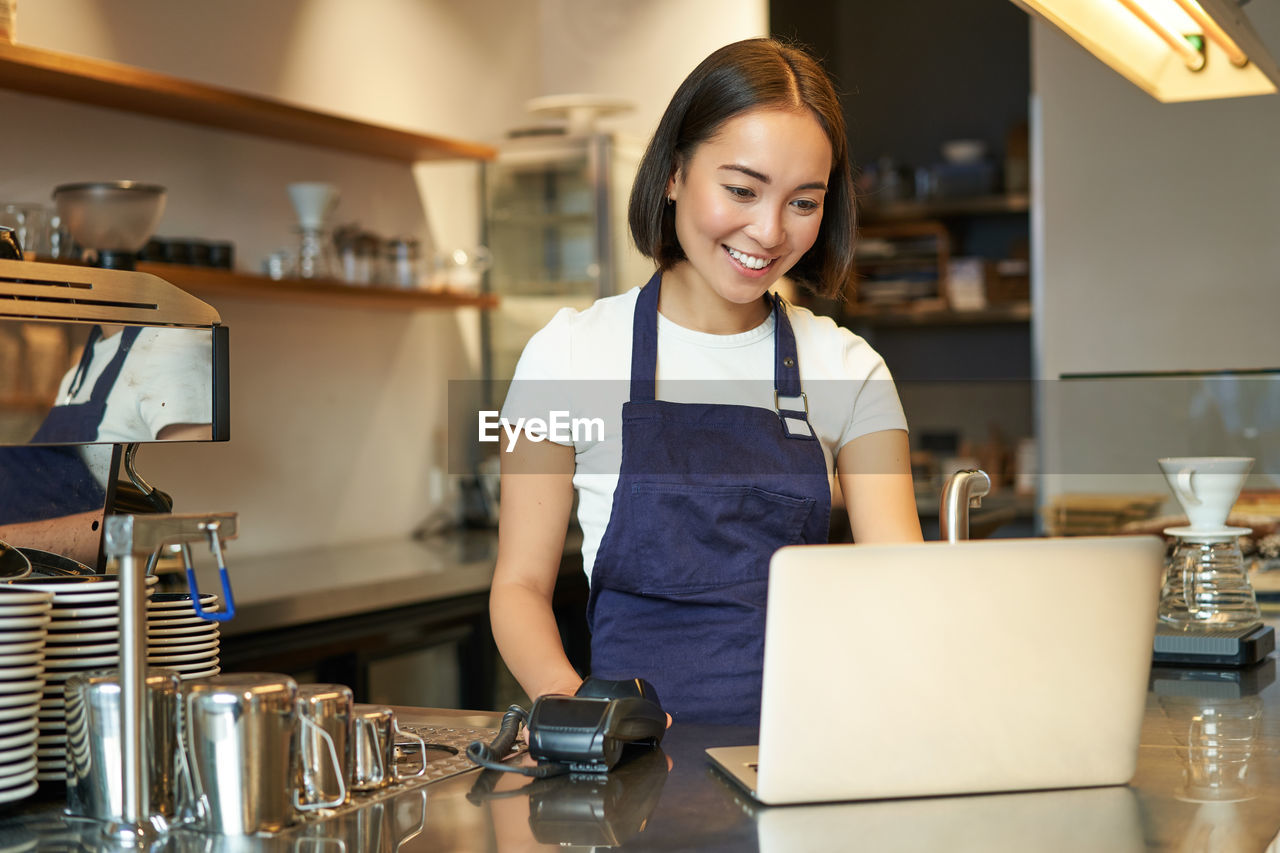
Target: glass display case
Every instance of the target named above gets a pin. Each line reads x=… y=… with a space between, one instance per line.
x=555 y=222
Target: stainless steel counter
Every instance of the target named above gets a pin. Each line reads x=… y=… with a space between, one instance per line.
x=1208 y=779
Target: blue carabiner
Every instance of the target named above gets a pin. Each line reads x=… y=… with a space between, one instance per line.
x=229 y=603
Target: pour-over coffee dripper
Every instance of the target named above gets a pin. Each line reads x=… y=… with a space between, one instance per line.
x=313 y=203
x=114 y=218
x=1206 y=488
x=1206 y=584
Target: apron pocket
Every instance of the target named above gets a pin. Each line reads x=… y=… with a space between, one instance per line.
x=685 y=538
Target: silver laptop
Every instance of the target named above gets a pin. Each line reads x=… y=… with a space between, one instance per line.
x=936 y=668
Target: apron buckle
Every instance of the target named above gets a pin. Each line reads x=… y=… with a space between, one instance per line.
x=795 y=424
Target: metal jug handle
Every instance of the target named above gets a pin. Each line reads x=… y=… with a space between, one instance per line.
x=422 y=752
x=337 y=771
x=197 y=804
x=422 y=821
x=229 y=602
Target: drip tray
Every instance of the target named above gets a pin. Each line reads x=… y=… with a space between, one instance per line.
x=1216 y=647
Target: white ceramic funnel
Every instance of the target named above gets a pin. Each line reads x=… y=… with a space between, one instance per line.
x=1206 y=486
x=313 y=202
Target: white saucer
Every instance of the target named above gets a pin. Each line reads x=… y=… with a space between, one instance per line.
x=23 y=700
x=24 y=659
x=21 y=648
x=79 y=638
x=7 y=610
x=22 y=738
x=180 y=601
x=176 y=621
x=71 y=625
x=8 y=688
x=12 y=727
x=79 y=663
x=1207 y=534
x=22 y=623
x=13 y=773
x=208 y=664
x=74 y=614
x=19 y=712
x=36 y=635
x=185 y=630
x=57 y=653
x=19 y=673
x=14 y=794
x=196 y=644
x=16 y=595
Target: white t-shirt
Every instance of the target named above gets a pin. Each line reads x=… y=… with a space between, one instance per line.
x=574 y=374
x=166 y=379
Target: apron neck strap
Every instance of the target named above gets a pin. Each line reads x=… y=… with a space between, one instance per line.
x=786 y=362
x=107 y=380
x=644 y=346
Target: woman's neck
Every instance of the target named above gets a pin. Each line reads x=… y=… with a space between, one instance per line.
x=701 y=309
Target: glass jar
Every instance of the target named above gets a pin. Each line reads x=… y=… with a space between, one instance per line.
x=1206 y=585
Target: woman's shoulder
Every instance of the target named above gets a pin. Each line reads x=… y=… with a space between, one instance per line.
x=837 y=349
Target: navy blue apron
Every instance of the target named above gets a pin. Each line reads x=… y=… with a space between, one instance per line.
x=706 y=493
x=39 y=483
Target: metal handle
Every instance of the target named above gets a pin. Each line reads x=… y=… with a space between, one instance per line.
x=422 y=752
x=229 y=604
x=422 y=821
x=337 y=771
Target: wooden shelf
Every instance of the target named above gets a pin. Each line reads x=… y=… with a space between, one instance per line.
x=1012 y=312
x=904 y=211
x=204 y=282
x=35 y=71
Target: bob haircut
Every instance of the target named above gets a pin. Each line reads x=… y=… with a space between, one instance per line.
x=756 y=73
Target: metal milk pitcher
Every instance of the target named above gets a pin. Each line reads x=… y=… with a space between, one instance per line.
x=95 y=773
x=240 y=737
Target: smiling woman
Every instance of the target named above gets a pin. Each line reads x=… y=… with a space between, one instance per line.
x=736 y=408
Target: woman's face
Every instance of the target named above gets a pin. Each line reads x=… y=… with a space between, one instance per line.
x=748 y=204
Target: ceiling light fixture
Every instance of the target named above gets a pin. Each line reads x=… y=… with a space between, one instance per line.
x=1174 y=50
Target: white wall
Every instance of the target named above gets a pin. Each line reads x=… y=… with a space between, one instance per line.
x=339 y=418
x=1156 y=239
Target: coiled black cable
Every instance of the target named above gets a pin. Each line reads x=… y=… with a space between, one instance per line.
x=489 y=756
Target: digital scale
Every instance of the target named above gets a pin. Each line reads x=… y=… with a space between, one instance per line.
x=1214 y=647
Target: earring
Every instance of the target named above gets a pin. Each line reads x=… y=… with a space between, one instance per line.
x=670 y=201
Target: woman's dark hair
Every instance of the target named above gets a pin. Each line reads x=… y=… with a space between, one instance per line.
x=736 y=78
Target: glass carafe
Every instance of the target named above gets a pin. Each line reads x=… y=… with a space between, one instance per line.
x=1206 y=585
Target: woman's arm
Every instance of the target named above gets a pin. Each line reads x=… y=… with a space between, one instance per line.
x=875 y=477
x=537 y=498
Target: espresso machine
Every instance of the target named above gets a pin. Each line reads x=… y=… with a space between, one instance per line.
x=151 y=755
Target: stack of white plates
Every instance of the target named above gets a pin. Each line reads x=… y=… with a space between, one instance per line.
x=83 y=635
x=178 y=639
x=24 y=620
